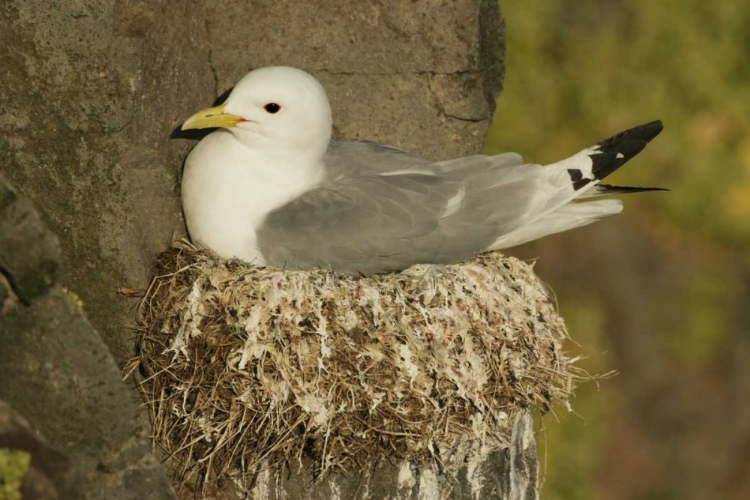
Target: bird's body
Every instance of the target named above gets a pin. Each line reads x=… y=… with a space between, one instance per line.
x=274 y=189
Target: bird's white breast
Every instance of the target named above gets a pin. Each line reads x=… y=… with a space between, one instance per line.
x=228 y=189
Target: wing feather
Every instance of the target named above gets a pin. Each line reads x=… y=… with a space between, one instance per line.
x=362 y=221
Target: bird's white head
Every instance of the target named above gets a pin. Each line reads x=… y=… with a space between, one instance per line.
x=273 y=108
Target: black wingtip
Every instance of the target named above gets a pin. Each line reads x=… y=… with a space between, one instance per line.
x=645 y=132
x=608 y=189
x=617 y=150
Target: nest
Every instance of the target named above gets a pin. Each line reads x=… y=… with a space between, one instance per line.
x=246 y=367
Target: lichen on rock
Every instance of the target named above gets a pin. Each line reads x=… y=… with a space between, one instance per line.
x=13 y=467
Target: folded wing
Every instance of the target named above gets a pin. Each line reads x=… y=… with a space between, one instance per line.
x=381 y=209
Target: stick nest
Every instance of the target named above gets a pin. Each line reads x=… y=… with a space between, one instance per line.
x=244 y=366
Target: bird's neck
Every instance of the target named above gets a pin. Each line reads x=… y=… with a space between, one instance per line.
x=285 y=170
x=292 y=150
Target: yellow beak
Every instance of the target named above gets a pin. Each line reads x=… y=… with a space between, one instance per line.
x=211 y=117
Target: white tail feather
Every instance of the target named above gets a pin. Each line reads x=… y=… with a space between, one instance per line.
x=565 y=218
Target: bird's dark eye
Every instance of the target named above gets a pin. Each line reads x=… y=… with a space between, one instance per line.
x=272 y=108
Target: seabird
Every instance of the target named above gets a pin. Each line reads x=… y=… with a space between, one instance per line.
x=271 y=187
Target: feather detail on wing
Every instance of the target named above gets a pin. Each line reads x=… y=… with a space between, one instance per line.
x=567 y=217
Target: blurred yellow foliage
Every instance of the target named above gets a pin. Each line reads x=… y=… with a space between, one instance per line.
x=737 y=202
x=13 y=467
x=568 y=450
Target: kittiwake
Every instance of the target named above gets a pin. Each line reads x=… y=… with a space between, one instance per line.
x=271 y=187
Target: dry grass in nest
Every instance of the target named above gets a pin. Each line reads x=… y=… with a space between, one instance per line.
x=246 y=366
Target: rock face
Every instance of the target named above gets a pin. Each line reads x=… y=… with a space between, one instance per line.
x=91 y=93
x=29 y=252
x=29 y=466
x=58 y=373
x=511 y=474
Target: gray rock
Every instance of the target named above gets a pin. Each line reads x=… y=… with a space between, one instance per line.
x=511 y=474
x=91 y=92
x=29 y=252
x=56 y=371
x=49 y=475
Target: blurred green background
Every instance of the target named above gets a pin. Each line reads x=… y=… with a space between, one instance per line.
x=662 y=292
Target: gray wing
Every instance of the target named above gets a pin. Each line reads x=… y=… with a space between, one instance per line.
x=382 y=209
